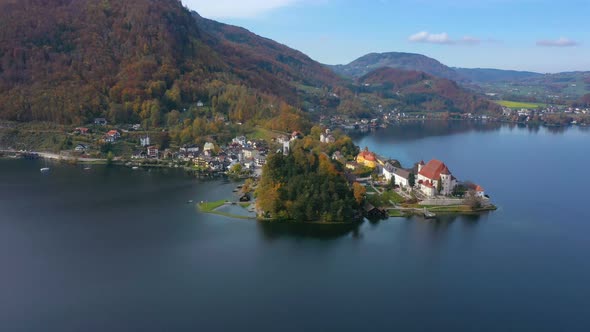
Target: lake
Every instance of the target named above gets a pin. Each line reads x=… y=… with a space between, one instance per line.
x=113 y=249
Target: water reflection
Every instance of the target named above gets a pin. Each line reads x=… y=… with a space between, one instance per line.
x=274 y=231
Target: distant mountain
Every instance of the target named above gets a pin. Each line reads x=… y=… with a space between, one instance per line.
x=411 y=61
x=419 y=91
x=488 y=75
x=398 y=60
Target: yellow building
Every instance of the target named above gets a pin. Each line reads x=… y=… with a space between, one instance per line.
x=367 y=158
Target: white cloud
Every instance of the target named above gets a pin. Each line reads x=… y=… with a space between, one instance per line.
x=433 y=38
x=236 y=9
x=561 y=42
x=442 y=38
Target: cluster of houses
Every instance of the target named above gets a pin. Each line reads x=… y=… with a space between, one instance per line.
x=251 y=155
x=431 y=179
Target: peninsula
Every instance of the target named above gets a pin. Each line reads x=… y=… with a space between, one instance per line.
x=324 y=178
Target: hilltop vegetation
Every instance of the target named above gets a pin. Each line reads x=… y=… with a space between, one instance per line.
x=418 y=91
x=305 y=186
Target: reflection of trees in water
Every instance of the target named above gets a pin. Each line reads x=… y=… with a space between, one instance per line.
x=434 y=228
x=276 y=230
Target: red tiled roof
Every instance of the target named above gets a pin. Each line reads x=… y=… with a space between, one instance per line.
x=475 y=187
x=367 y=155
x=112 y=133
x=433 y=170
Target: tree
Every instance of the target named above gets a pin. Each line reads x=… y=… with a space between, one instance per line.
x=472 y=200
x=412 y=180
x=439 y=186
x=110 y=158
x=392 y=182
x=360 y=192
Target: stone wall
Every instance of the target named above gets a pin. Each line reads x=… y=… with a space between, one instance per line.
x=442 y=201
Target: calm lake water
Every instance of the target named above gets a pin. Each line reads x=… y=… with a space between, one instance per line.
x=121 y=250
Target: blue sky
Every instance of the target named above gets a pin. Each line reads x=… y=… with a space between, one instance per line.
x=537 y=35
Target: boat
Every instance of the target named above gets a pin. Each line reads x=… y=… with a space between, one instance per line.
x=135 y=168
x=45 y=169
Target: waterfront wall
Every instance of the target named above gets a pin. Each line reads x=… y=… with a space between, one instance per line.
x=442 y=201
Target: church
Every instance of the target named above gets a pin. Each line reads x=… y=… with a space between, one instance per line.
x=435 y=178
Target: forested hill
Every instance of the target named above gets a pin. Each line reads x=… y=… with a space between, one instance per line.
x=414 y=90
x=397 y=60
x=69 y=60
x=264 y=62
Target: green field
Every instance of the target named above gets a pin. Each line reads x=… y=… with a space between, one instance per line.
x=517 y=104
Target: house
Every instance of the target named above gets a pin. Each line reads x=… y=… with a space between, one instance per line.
x=136 y=127
x=296 y=135
x=367 y=158
x=208 y=147
x=100 y=121
x=144 y=141
x=400 y=175
x=152 y=152
x=200 y=104
x=82 y=130
x=250 y=153
x=80 y=148
x=373 y=212
x=112 y=136
x=435 y=178
x=286 y=148
x=190 y=149
x=477 y=189
x=139 y=155
x=337 y=156
x=241 y=140
x=260 y=161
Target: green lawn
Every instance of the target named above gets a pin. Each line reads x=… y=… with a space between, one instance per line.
x=396 y=213
x=211 y=206
x=517 y=104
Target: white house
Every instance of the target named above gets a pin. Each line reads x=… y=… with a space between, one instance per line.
x=112 y=136
x=250 y=153
x=241 y=140
x=400 y=175
x=144 y=141
x=208 y=147
x=477 y=189
x=80 y=148
x=433 y=173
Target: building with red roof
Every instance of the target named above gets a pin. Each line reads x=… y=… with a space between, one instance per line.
x=435 y=178
x=367 y=158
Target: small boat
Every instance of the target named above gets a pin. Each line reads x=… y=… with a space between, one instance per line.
x=190 y=201
x=87 y=168
x=45 y=169
x=135 y=168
